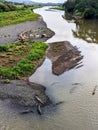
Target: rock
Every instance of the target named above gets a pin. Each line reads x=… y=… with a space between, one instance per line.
x=37 y=36
x=22 y=93
x=6 y=81
x=43 y=35
x=31 y=35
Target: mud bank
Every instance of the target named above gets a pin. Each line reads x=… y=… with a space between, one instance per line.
x=64 y=56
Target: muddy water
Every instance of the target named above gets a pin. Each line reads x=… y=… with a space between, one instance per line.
x=79 y=110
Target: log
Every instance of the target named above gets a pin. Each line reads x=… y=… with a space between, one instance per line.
x=26 y=111
x=39 y=110
x=38 y=99
x=94 y=90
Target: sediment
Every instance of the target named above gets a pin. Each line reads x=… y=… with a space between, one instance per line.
x=64 y=56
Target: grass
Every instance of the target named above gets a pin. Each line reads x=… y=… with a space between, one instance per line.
x=19 y=60
x=14 y=17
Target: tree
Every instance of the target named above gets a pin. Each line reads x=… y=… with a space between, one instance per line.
x=86 y=8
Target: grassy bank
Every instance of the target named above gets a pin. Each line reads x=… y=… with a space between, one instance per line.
x=14 y=17
x=19 y=60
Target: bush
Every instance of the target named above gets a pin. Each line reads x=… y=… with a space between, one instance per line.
x=69 y=6
x=11 y=7
x=5 y=7
x=85 y=8
x=4 y=48
x=89 y=13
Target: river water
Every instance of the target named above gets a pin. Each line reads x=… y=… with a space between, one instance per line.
x=79 y=108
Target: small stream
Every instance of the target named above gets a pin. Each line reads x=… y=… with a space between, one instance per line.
x=79 y=110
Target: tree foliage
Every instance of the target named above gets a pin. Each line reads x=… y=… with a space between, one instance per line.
x=5 y=7
x=86 y=8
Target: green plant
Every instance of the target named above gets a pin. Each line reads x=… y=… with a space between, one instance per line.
x=18 y=16
x=87 y=9
x=27 y=64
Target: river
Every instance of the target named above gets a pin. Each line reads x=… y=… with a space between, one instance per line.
x=74 y=88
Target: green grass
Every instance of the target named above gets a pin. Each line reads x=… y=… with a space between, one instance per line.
x=14 y=17
x=27 y=65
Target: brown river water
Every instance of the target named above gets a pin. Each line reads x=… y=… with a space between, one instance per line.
x=79 y=110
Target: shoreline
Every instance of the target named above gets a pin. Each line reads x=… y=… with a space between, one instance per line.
x=22 y=92
x=25 y=93
x=10 y=34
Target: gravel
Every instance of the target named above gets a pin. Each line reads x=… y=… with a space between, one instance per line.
x=9 y=34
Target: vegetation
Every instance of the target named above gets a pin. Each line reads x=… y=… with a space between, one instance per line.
x=20 y=59
x=13 y=13
x=7 y=6
x=14 y=17
x=87 y=9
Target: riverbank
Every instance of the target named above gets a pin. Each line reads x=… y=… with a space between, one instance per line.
x=63 y=56
x=38 y=32
x=9 y=34
x=22 y=91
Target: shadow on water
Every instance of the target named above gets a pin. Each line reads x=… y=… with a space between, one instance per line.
x=86 y=30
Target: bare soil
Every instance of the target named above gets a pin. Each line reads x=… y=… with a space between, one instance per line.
x=64 y=56
x=14 y=55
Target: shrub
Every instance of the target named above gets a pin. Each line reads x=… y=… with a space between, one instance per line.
x=12 y=7
x=89 y=13
x=4 y=48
